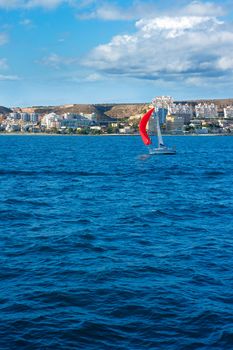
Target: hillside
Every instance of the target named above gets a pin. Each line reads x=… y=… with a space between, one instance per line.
x=4 y=110
x=103 y=111
x=110 y=111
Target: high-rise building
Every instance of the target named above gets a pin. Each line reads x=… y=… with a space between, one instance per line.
x=51 y=120
x=34 y=117
x=182 y=110
x=206 y=111
x=174 y=123
x=228 y=112
x=14 y=116
x=25 y=117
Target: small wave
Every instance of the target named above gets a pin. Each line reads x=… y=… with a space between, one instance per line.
x=49 y=172
x=214 y=173
x=18 y=215
x=24 y=201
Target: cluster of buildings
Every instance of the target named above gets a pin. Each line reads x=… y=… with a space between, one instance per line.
x=34 y=122
x=175 y=118
x=67 y=121
x=202 y=118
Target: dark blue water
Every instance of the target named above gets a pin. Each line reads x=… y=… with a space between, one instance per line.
x=103 y=248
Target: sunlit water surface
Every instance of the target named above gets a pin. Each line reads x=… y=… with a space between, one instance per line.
x=103 y=247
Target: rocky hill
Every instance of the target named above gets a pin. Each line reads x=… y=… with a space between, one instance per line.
x=4 y=110
x=110 y=111
x=103 y=111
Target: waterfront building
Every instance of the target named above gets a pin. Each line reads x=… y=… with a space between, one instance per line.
x=89 y=116
x=174 y=123
x=162 y=113
x=228 y=112
x=13 y=127
x=66 y=121
x=125 y=130
x=182 y=110
x=96 y=128
x=69 y=115
x=13 y=116
x=202 y=131
x=206 y=111
x=196 y=123
x=51 y=120
x=25 y=117
x=34 y=118
x=75 y=122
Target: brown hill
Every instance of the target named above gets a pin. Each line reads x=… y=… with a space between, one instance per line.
x=126 y=110
x=103 y=111
x=114 y=111
x=4 y=110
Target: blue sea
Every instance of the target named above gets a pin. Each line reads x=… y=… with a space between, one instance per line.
x=104 y=247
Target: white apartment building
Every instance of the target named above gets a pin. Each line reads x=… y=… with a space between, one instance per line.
x=182 y=110
x=174 y=123
x=51 y=120
x=67 y=120
x=25 y=117
x=13 y=116
x=34 y=117
x=74 y=121
x=91 y=117
x=228 y=112
x=206 y=111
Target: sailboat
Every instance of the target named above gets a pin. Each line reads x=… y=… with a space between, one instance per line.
x=162 y=148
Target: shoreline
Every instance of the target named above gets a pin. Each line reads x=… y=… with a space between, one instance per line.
x=90 y=135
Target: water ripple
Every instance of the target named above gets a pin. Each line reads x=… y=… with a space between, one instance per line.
x=102 y=248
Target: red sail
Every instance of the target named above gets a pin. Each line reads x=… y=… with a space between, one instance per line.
x=142 y=127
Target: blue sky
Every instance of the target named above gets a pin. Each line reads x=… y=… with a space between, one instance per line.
x=93 y=51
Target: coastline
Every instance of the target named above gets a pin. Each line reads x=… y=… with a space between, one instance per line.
x=100 y=135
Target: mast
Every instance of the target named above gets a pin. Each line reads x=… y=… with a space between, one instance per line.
x=160 y=139
x=161 y=102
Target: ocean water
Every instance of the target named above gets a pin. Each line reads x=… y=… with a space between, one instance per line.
x=103 y=247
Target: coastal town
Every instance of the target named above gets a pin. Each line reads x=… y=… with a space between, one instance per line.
x=195 y=117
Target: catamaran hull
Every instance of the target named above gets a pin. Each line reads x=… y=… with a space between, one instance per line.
x=162 y=151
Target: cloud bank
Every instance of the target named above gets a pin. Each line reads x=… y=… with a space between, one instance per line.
x=27 y=4
x=193 y=45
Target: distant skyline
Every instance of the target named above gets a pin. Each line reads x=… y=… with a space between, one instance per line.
x=87 y=51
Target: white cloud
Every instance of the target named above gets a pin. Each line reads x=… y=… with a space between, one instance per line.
x=26 y=22
x=49 y=4
x=226 y=62
x=198 y=8
x=108 y=12
x=3 y=63
x=3 y=38
x=10 y=3
x=94 y=77
x=82 y=77
x=169 y=48
x=27 y=4
x=56 y=61
x=175 y=26
x=194 y=81
x=8 y=77
x=111 y=11
x=3 y=67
